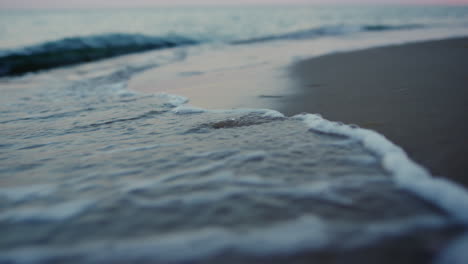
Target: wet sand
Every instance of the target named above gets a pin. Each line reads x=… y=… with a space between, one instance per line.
x=414 y=94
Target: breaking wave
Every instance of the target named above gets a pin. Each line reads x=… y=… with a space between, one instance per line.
x=76 y=50
x=329 y=31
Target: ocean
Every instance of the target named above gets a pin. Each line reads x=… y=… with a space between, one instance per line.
x=92 y=171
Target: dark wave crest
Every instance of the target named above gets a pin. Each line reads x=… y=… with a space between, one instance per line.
x=328 y=31
x=75 y=50
x=390 y=27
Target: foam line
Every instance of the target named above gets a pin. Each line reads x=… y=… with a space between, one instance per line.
x=449 y=196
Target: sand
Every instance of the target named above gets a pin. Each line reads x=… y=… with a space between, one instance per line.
x=414 y=94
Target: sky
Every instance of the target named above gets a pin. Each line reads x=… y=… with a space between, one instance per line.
x=140 y=3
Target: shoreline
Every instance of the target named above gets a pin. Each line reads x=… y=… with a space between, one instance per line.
x=414 y=94
x=396 y=90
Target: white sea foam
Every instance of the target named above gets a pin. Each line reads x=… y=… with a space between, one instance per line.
x=375 y=231
x=186 y=109
x=173 y=100
x=283 y=238
x=55 y=212
x=21 y=193
x=119 y=89
x=409 y=175
x=322 y=190
x=263 y=112
x=279 y=238
x=272 y=113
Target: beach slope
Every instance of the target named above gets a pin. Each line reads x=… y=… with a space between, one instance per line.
x=414 y=94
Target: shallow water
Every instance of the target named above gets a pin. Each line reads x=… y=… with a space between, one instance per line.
x=92 y=172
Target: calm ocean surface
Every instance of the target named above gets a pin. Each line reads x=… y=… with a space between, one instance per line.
x=92 y=172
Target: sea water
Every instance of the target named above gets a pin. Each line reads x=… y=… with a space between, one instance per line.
x=92 y=172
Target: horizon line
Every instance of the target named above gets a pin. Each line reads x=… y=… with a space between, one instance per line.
x=233 y=5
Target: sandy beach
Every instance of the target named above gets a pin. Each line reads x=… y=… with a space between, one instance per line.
x=414 y=94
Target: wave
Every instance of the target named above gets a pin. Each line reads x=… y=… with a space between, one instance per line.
x=75 y=50
x=328 y=31
x=380 y=27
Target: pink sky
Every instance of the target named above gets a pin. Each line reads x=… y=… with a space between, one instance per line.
x=137 y=3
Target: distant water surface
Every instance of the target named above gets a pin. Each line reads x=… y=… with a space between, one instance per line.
x=32 y=40
x=29 y=27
